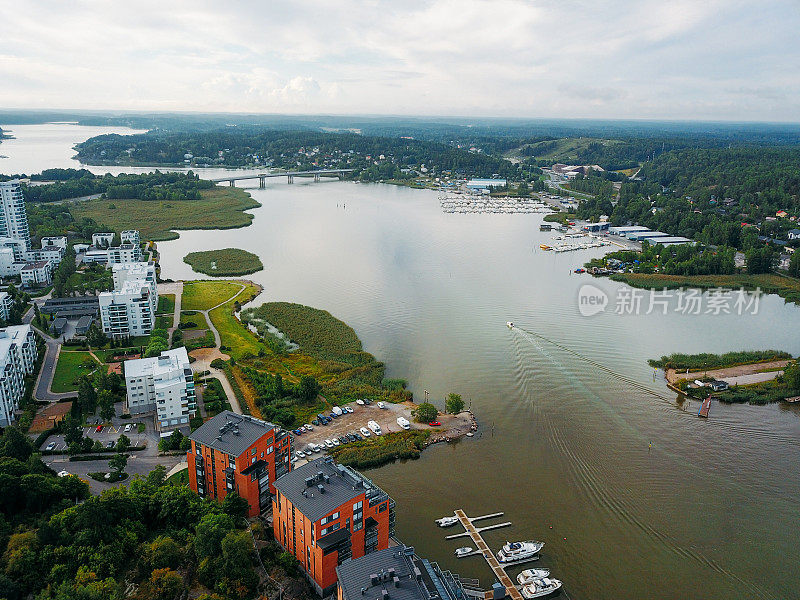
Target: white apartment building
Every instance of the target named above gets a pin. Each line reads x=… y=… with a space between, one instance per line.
x=37 y=273
x=130 y=236
x=6 y=303
x=126 y=253
x=130 y=310
x=8 y=265
x=13 y=217
x=102 y=240
x=17 y=359
x=57 y=241
x=163 y=384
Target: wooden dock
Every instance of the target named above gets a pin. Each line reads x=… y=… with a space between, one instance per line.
x=498 y=569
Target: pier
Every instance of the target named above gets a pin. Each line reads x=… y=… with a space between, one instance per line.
x=475 y=534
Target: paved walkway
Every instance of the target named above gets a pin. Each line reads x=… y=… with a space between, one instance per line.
x=44 y=380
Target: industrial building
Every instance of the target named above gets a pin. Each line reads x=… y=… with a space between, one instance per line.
x=325 y=513
x=238 y=453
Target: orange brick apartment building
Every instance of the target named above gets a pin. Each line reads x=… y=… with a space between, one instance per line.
x=236 y=452
x=325 y=513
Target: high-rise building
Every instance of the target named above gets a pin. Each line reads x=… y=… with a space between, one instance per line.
x=130 y=310
x=13 y=217
x=324 y=513
x=17 y=359
x=238 y=453
x=164 y=384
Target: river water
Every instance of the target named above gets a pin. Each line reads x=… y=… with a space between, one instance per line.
x=633 y=494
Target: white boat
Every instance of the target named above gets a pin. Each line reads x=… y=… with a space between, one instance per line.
x=539 y=588
x=509 y=324
x=447 y=521
x=463 y=551
x=528 y=575
x=513 y=552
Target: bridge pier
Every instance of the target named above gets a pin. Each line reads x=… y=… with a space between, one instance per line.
x=289 y=179
x=232 y=183
x=262 y=182
x=316 y=177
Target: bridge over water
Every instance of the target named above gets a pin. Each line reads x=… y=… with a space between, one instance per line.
x=290 y=175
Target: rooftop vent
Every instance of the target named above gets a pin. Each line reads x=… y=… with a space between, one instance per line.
x=384 y=594
x=373 y=579
x=309 y=481
x=396 y=581
x=326 y=478
x=321 y=488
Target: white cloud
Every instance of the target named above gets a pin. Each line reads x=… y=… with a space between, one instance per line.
x=724 y=59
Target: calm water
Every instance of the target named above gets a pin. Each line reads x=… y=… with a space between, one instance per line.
x=709 y=511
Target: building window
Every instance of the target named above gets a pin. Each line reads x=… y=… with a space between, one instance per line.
x=382 y=507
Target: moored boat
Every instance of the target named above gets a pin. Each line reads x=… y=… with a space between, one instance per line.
x=463 y=551
x=541 y=588
x=529 y=575
x=446 y=521
x=512 y=552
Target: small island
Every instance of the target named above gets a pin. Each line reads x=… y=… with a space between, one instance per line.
x=228 y=262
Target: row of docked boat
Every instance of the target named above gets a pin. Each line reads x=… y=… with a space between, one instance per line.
x=468 y=204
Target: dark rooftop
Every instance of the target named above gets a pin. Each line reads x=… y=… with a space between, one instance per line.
x=392 y=569
x=231 y=433
x=339 y=486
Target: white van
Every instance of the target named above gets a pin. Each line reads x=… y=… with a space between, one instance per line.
x=337 y=411
x=403 y=422
x=374 y=427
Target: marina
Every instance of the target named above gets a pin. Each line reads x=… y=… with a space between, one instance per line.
x=508 y=552
x=465 y=204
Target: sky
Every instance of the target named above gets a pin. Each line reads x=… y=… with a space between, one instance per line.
x=642 y=59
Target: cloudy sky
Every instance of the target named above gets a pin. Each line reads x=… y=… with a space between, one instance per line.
x=673 y=59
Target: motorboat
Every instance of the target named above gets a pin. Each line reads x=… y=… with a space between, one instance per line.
x=463 y=551
x=513 y=552
x=447 y=521
x=528 y=575
x=540 y=588
x=510 y=324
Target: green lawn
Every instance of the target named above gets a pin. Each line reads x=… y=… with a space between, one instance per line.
x=195 y=317
x=166 y=304
x=202 y=295
x=179 y=478
x=70 y=366
x=218 y=208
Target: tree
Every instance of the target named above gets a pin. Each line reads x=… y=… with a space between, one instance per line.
x=426 y=412
x=72 y=430
x=235 y=506
x=87 y=396
x=123 y=444
x=794 y=263
x=15 y=444
x=165 y=584
x=454 y=403
x=95 y=336
x=211 y=530
x=105 y=399
x=118 y=463
x=308 y=388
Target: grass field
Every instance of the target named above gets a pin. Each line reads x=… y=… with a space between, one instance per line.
x=219 y=208
x=770 y=283
x=228 y=262
x=166 y=304
x=179 y=478
x=560 y=150
x=202 y=295
x=232 y=333
x=69 y=367
x=195 y=317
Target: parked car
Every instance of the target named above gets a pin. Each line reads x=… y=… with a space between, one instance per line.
x=360 y=402
x=51 y=446
x=344 y=440
x=350 y=437
x=110 y=444
x=365 y=432
x=328 y=444
x=348 y=409
x=374 y=427
x=316 y=448
x=298 y=431
x=367 y=401
x=358 y=437
x=308 y=427
x=435 y=424
x=300 y=454
x=315 y=422
x=98 y=429
x=335 y=441
x=128 y=427
x=381 y=405
x=337 y=410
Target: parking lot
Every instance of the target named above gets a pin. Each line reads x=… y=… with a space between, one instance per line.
x=385 y=417
x=107 y=434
